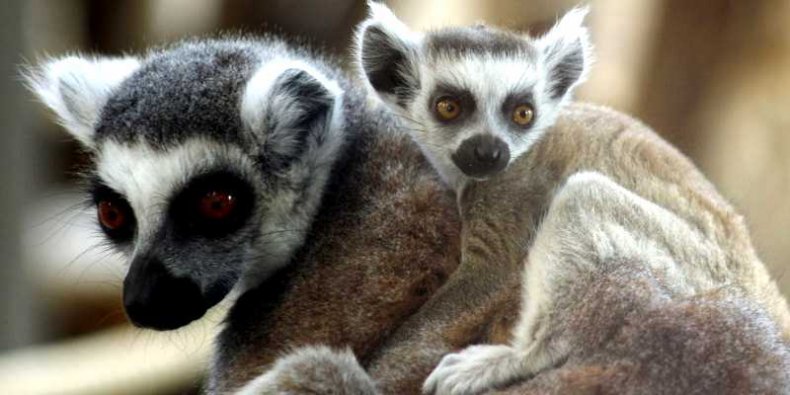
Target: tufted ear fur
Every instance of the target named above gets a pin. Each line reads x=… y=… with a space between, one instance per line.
x=293 y=111
x=76 y=88
x=387 y=56
x=566 y=53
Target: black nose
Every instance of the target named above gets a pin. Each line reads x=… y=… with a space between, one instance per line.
x=154 y=298
x=482 y=156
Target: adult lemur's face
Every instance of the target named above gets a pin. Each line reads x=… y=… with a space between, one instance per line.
x=474 y=98
x=210 y=159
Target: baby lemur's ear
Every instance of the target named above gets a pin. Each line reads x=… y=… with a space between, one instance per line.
x=292 y=110
x=387 y=55
x=567 y=53
x=76 y=88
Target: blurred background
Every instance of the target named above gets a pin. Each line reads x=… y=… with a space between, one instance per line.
x=711 y=76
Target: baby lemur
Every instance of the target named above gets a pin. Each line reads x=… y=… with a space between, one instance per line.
x=487 y=107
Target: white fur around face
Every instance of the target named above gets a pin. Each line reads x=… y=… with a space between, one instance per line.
x=148 y=178
x=76 y=88
x=490 y=79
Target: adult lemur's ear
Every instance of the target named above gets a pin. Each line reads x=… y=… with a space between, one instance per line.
x=76 y=89
x=293 y=112
x=387 y=55
x=567 y=53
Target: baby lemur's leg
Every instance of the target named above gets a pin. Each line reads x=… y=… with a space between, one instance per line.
x=592 y=223
x=494 y=242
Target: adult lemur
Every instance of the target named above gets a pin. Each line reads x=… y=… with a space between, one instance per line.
x=254 y=164
x=482 y=103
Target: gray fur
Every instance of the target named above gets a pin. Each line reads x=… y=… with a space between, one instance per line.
x=479 y=40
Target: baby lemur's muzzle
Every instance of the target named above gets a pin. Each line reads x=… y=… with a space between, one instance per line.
x=482 y=156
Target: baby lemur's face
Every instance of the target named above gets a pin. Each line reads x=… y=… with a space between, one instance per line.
x=473 y=98
x=210 y=159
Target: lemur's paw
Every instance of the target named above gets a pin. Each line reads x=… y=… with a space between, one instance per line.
x=474 y=370
x=313 y=370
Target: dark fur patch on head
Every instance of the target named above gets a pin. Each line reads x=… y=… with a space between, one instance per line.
x=515 y=99
x=191 y=90
x=477 y=40
x=464 y=97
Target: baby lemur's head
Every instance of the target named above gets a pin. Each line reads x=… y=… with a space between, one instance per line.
x=474 y=98
x=210 y=161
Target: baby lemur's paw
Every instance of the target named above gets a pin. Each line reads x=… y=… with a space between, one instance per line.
x=474 y=370
x=313 y=370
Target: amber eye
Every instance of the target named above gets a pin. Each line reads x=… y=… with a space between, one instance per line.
x=111 y=215
x=448 y=108
x=217 y=205
x=523 y=114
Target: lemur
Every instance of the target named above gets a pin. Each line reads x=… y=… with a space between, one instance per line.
x=254 y=164
x=211 y=159
x=486 y=106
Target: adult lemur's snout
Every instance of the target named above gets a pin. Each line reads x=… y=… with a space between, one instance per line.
x=482 y=156
x=154 y=298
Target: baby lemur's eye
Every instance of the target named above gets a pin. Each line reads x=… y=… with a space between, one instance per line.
x=523 y=115
x=447 y=108
x=212 y=205
x=115 y=218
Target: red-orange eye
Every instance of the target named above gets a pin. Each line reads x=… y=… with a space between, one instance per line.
x=217 y=205
x=112 y=215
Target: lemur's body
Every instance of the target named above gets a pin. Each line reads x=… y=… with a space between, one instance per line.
x=486 y=75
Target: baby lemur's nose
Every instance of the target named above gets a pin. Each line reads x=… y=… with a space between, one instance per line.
x=482 y=156
x=487 y=153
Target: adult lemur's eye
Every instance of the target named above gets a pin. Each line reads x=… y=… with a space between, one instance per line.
x=523 y=114
x=212 y=205
x=448 y=108
x=217 y=205
x=115 y=217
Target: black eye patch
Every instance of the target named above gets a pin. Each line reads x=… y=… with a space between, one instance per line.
x=516 y=99
x=113 y=213
x=212 y=205
x=462 y=96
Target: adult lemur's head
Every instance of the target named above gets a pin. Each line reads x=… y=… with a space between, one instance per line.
x=210 y=162
x=475 y=98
